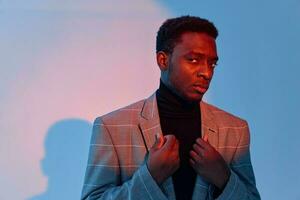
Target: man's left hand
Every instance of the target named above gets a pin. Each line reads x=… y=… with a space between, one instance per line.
x=208 y=163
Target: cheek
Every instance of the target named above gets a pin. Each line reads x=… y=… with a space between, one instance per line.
x=181 y=74
x=187 y=74
x=183 y=79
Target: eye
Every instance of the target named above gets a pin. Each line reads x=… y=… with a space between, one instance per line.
x=213 y=65
x=193 y=60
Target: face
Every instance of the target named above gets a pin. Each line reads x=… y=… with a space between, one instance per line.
x=189 y=68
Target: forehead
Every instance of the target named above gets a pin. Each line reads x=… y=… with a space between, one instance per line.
x=196 y=42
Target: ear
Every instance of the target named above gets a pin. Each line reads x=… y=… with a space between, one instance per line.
x=162 y=60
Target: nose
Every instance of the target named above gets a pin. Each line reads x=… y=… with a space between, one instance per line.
x=205 y=71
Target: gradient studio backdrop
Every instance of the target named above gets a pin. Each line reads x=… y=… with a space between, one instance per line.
x=65 y=62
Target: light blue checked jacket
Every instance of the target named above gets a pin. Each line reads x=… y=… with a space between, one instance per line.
x=116 y=169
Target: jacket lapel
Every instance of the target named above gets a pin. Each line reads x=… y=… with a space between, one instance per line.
x=209 y=128
x=149 y=121
x=208 y=125
x=150 y=126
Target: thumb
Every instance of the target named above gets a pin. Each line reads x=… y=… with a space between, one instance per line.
x=159 y=141
x=205 y=138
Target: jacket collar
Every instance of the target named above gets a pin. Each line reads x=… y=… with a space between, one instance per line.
x=150 y=126
x=150 y=122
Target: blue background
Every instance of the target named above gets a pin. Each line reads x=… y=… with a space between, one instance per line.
x=257 y=78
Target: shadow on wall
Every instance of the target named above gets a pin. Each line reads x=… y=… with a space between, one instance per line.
x=66 y=151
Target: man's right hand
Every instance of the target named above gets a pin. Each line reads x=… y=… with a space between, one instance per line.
x=163 y=158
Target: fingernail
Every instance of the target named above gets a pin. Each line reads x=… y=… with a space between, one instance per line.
x=156 y=136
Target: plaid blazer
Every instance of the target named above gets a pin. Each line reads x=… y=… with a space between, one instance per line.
x=116 y=166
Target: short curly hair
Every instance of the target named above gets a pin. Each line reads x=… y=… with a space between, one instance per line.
x=171 y=30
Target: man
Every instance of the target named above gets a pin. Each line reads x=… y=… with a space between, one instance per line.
x=173 y=145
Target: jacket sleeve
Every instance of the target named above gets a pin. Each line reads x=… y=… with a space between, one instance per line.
x=102 y=178
x=241 y=184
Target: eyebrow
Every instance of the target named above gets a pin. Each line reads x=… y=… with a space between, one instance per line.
x=200 y=55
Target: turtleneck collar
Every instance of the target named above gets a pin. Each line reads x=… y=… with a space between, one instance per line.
x=174 y=106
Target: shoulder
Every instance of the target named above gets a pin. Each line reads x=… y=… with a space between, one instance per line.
x=224 y=118
x=124 y=115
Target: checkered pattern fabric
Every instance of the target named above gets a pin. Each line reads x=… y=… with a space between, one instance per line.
x=116 y=166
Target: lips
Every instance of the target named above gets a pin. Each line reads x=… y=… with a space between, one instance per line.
x=201 y=85
x=201 y=88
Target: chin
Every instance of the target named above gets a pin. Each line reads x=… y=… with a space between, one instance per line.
x=195 y=98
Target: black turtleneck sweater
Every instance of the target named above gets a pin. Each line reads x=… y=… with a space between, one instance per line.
x=182 y=119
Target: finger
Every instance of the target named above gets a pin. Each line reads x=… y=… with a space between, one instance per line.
x=176 y=145
x=170 y=141
x=175 y=149
x=202 y=143
x=192 y=162
x=196 y=167
x=195 y=157
x=198 y=149
x=159 y=141
x=205 y=138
